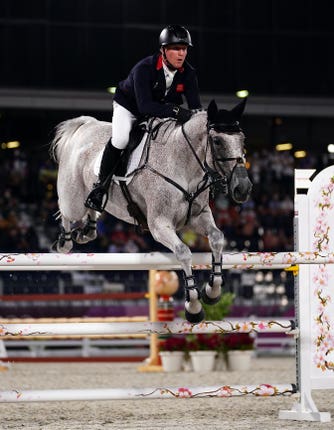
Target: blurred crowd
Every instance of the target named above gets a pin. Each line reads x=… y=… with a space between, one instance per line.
x=28 y=207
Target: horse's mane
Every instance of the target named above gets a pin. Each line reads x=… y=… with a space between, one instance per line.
x=168 y=126
x=196 y=124
x=64 y=132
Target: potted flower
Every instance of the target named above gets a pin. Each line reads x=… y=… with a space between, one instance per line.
x=239 y=348
x=172 y=353
x=203 y=350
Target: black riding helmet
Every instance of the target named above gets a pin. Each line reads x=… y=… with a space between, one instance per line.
x=175 y=34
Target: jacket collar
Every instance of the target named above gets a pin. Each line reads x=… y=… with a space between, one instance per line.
x=159 y=65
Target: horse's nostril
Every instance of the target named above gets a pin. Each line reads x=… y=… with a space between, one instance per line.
x=240 y=194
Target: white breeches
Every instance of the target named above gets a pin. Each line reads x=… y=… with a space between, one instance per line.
x=122 y=122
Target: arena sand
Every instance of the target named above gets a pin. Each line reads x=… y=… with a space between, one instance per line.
x=223 y=413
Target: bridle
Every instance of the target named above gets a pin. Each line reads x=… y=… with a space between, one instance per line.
x=216 y=159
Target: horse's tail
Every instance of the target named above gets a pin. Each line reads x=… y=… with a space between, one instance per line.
x=64 y=132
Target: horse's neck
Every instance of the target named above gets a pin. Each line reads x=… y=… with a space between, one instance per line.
x=177 y=156
x=195 y=132
x=196 y=126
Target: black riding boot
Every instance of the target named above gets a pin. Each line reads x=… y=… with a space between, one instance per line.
x=98 y=197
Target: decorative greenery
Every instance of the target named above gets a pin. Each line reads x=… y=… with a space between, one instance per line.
x=221 y=309
x=218 y=311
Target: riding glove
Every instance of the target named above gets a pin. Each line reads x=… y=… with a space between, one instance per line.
x=182 y=115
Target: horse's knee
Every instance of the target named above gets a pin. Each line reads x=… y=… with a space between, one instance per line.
x=217 y=239
x=183 y=253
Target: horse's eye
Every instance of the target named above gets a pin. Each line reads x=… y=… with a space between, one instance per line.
x=216 y=140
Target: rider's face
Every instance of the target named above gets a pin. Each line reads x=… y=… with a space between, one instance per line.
x=176 y=54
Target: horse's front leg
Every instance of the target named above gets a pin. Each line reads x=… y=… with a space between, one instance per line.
x=64 y=243
x=164 y=232
x=205 y=225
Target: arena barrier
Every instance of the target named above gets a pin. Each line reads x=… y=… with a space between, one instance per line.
x=313 y=328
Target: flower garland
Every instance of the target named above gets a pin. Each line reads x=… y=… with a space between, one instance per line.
x=262 y=390
x=324 y=341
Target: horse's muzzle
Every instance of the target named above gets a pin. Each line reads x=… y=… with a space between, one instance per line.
x=240 y=185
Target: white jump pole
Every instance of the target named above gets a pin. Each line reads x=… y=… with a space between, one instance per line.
x=157 y=260
x=264 y=390
x=160 y=328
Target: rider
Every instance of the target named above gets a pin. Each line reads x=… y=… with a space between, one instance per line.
x=154 y=88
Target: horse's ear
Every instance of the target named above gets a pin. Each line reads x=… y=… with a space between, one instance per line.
x=212 y=110
x=238 y=110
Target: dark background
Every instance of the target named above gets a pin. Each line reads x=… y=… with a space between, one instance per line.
x=280 y=51
x=270 y=47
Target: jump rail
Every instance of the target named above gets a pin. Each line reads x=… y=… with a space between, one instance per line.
x=159 y=328
x=264 y=390
x=157 y=260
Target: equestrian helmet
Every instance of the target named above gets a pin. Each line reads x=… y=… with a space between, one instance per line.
x=175 y=34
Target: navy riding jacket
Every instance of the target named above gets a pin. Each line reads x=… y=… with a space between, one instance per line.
x=143 y=91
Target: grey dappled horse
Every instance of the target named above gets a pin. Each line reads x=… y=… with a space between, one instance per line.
x=178 y=166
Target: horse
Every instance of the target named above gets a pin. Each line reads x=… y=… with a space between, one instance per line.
x=171 y=186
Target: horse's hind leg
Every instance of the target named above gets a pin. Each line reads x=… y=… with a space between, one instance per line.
x=164 y=232
x=204 y=224
x=64 y=241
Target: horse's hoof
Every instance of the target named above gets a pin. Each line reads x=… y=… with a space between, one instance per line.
x=195 y=318
x=54 y=246
x=57 y=247
x=209 y=300
x=76 y=236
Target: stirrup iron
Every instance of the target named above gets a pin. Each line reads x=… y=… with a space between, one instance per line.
x=97 y=198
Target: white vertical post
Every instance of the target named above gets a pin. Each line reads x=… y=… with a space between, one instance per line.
x=305 y=409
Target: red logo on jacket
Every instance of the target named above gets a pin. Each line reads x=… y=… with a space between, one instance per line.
x=180 y=88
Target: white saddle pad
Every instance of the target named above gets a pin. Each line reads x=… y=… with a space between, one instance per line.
x=133 y=163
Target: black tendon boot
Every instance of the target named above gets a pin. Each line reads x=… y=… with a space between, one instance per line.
x=98 y=197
